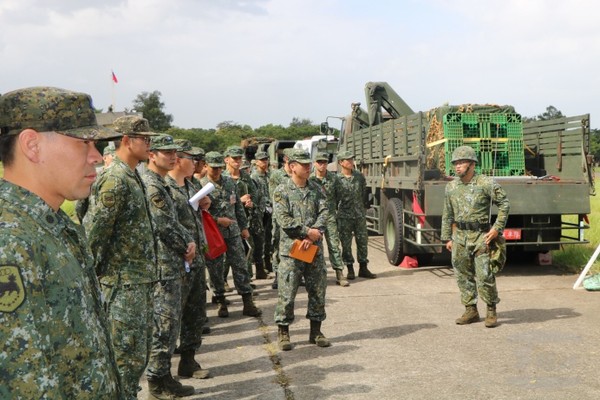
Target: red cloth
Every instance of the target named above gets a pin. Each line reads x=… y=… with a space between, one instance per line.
x=216 y=243
x=114 y=77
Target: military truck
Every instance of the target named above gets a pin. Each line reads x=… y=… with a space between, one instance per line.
x=405 y=157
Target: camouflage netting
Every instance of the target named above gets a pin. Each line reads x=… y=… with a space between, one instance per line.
x=436 y=156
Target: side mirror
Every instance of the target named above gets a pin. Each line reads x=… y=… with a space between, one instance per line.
x=324 y=128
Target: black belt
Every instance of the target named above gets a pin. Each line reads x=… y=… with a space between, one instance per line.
x=473 y=226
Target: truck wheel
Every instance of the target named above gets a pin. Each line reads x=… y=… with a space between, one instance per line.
x=393 y=231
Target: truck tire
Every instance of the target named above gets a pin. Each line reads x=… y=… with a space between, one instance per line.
x=393 y=231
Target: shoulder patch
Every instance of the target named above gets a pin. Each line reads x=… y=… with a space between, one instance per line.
x=158 y=201
x=12 y=291
x=107 y=199
x=277 y=196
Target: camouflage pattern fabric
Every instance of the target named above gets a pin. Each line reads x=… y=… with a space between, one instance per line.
x=225 y=202
x=471 y=202
x=277 y=177
x=331 y=185
x=193 y=290
x=296 y=210
x=120 y=234
x=119 y=227
x=55 y=338
x=262 y=248
x=172 y=238
x=352 y=220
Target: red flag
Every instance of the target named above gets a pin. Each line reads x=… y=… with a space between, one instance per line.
x=114 y=77
x=418 y=210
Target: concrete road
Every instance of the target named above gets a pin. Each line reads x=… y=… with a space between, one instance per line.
x=394 y=337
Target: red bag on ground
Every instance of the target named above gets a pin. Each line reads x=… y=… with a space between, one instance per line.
x=216 y=243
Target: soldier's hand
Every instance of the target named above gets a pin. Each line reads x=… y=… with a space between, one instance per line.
x=314 y=235
x=204 y=203
x=306 y=243
x=490 y=236
x=190 y=252
x=245 y=234
x=449 y=245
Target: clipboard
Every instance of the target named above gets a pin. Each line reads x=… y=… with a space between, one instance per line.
x=299 y=253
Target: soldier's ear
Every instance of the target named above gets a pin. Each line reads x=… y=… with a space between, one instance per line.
x=29 y=142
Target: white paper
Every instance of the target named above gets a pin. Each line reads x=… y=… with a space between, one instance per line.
x=205 y=191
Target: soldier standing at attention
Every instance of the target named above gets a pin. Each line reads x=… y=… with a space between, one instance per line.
x=176 y=247
x=300 y=208
x=120 y=235
x=228 y=212
x=260 y=176
x=278 y=176
x=466 y=228
x=193 y=292
x=352 y=216
x=54 y=335
x=330 y=183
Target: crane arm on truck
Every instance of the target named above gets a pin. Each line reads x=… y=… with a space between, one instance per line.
x=381 y=95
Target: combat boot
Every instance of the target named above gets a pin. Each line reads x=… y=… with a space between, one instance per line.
x=250 y=308
x=339 y=278
x=283 y=338
x=471 y=315
x=190 y=368
x=228 y=288
x=491 y=319
x=316 y=337
x=222 y=310
x=166 y=388
x=274 y=284
x=350 y=275
x=261 y=273
x=363 y=272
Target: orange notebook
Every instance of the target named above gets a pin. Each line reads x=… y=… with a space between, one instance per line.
x=299 y=253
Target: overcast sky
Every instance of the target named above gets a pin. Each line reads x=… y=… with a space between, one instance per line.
x=257 y=62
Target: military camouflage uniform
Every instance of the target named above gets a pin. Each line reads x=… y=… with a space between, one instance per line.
x=263 y=209
x=331 y=185
x=193 y=316
x=121 y=237
x=352 y=217
x=296 y=210
x=277 y=177
x=470 y=203
x=54 y=333
x=225 y=202
x=172 y=240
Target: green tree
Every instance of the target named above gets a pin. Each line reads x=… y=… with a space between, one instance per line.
x=550 y=113
x=595 y=144
x=150 y=105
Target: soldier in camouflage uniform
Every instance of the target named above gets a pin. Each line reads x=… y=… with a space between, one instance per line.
x=54 y=332
x=228 y=212
x=467 y=230
x=260 y=176
x=300 y=208
x=193 y=289
x=119 y=232
x=352 y=216
x=176 y=250
x=330 y=183
x=278 y=177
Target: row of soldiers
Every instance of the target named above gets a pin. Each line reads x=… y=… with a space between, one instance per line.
x=85 y=318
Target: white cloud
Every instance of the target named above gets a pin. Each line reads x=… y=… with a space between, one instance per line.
x=259 y=62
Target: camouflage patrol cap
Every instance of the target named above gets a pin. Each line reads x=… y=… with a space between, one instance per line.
x=322 y=157
x=214 y=159
x=234 y=151
x=163 y=142
x=299 y=156
x=108 y=150
x=185 y=146
x=464 y=153
x=261 y=155
x=345 y=155
x=50 y=109
x=133 y=125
